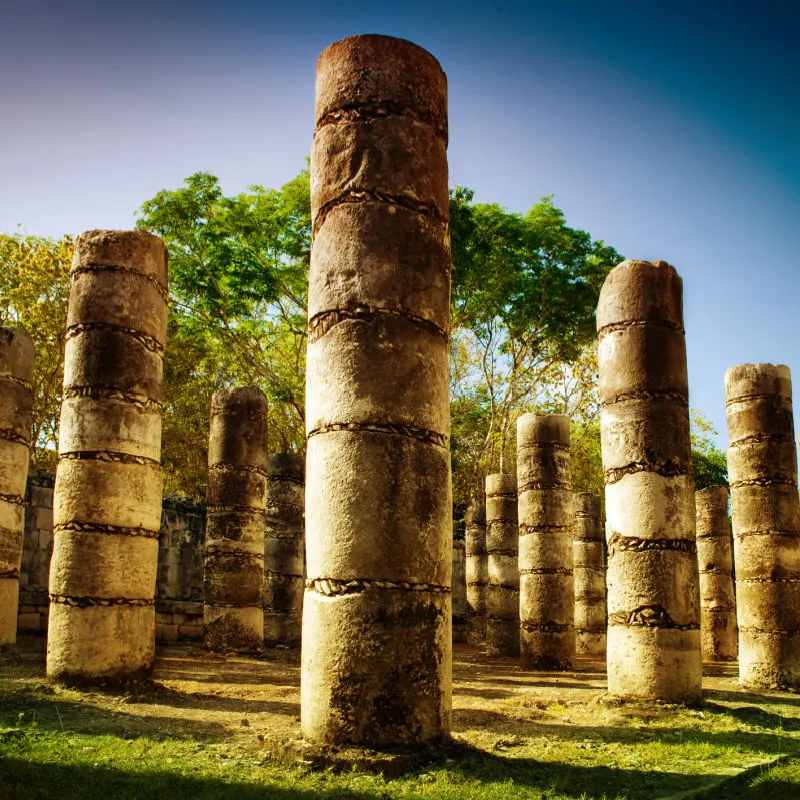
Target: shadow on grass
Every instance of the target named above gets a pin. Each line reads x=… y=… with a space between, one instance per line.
x=745 y=696
x=165 y=696
x=752 y=715
x=486 y=694
x=527 y=681
x=746 y=740
x=52 y=712
x=24 y=780
x=202 y=668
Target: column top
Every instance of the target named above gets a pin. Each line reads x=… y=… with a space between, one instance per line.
x=747 y=380
x=16 y=353
x=641 y=291
x=374 y=71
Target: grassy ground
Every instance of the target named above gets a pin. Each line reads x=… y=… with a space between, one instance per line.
x=228 y=728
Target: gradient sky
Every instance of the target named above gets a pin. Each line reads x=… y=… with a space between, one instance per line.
x=669 y=130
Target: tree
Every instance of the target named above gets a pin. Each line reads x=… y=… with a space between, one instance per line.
x=34 y=293
x=238 y=289
x=525 y=289
x=710 y=464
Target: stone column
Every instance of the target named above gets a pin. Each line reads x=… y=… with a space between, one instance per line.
x=546 y=587
x=37 y=550
x=236 y=500
x=653 y=593
x=715 y=558
x=107 y=501
x=477 y=572
x=762 y=467
x=284 y=550
x=16 y=406
x=588 y=552
x=376 y=664
x=460 y=608
x=502 y=543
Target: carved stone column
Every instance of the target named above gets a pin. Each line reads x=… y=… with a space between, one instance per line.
x=653 y=593
x=477 y=568
x=284 y=550
x=377 y=613
x=233 y=615
x=762 y=467
x=16 y=407
x=502 y=547
x=588 y=549
x=460 y=608
x=546 y=587
x=715 y=558
x=107 y=501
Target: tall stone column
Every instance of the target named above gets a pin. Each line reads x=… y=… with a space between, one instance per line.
x=477 y=572
x=236 y=500
x=16 y=406
x=376 y=663
x=460 y=608
x=284 y=550
x=107 y=500
x=715 y=558
x=762 y=468
x=653 y=593
x=546 y=586
x=588 y=552
x=502 y=546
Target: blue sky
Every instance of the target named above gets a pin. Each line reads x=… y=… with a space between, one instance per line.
x=671 y=131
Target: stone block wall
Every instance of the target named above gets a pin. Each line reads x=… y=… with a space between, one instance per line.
x=179 y=585
x=37 y=547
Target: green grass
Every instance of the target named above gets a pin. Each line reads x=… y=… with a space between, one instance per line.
x=521 y=742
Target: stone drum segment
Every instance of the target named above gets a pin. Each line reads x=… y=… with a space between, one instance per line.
x=460 y=608
x=588 y=551
x=377 y=628
x=715 y=559
x=653 y=594
x=16 y=408
x=284 y=550
x=107 y=500
x=233 y=580
x=546 y=587
x=762 y=467
x=477 y=572
x=502 y=544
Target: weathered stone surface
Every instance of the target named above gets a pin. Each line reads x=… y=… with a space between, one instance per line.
x=235 y=510
x=460 y=608
x=589 y=569
x=653 y=644
x=765 y=510
x=477 y=572
x=179 y=585
x=715 y=558
x=502 y=548
x=284 y=550
x=107 y=501
x=359 y=648
x=546 y=589
x=16 y=404
x=377 y=611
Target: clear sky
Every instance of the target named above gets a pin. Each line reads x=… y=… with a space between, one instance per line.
x=670 y=130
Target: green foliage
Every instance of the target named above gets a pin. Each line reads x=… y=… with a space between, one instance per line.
x=525 y=289
x=34 y=292
x=710 y=464
x=238 y=288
